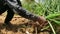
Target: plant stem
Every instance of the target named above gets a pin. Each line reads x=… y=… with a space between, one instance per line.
x=52 y=27
x=36 y=30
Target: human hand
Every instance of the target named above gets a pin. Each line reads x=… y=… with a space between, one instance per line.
x=42 y=21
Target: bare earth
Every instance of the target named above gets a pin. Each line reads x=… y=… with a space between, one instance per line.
x=18 y=26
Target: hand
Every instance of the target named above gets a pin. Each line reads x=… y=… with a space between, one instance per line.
x=42 y=21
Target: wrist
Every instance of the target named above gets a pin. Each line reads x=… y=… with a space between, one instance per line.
x=36 y=18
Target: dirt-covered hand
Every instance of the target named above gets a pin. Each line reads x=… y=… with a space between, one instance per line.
x=42 y=21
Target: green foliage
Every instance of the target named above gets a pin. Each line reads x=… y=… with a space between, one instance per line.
x=50 y=9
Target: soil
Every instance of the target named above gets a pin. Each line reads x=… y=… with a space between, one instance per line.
x=19 y=26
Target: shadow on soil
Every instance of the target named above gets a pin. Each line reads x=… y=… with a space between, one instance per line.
x=12 y=27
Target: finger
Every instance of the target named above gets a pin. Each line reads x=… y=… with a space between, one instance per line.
x=46 y=23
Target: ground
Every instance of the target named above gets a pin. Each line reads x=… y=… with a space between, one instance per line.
x=19 y=26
